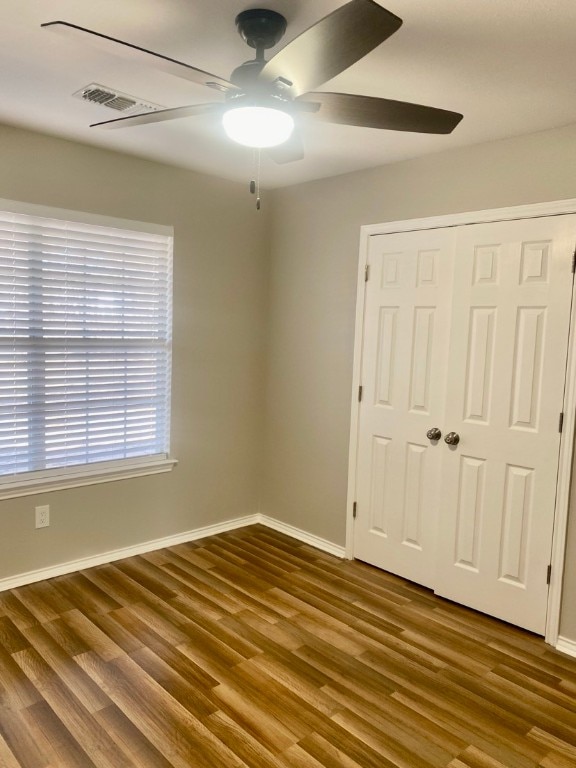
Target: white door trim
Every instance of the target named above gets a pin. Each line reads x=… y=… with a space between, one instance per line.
x=553 y=208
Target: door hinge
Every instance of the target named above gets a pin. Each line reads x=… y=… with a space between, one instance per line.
x=360 y=394
x=548 y=574
x=354 y=510
x=561 y=422
x=367 y=273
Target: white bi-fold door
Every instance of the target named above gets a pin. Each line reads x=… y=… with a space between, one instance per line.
x=465 y=332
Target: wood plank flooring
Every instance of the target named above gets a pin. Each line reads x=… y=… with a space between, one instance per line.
x=252 y=649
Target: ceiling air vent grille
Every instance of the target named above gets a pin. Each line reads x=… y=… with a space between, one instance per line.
x=120 y=102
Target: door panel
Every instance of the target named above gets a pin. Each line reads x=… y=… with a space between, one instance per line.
x=470 y=504
x=405 y=347
x=508 y=345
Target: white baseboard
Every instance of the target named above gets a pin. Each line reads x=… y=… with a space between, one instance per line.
x=21 y=579
x=119 y=554
x=300 y=535
x=566 y=646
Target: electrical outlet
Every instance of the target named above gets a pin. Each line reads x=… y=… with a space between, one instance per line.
x=43 y=516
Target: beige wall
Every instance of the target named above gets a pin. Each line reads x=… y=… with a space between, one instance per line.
x=219 y=292
x=235 y=283
x=314 y=257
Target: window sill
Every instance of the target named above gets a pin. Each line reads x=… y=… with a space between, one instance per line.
x=75 y=477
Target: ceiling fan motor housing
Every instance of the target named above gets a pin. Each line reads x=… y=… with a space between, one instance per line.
x=246 y=75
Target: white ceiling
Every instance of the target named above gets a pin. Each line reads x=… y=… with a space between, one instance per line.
x=507 y=65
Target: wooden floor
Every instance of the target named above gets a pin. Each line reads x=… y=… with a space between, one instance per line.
x=252 y=649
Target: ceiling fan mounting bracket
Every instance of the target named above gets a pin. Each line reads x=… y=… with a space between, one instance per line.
x=261 y=28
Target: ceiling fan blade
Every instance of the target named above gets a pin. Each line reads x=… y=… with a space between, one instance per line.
x=288 y=152
x=160 y=116
x=370 y=112
x=137 y=54
x=331 y=45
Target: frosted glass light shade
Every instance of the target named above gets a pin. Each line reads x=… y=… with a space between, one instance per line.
x=258 y=126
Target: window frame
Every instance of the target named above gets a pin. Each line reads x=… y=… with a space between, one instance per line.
x=41 y=481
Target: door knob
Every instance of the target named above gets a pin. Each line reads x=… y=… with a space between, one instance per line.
x=452 y=438
x=434 y=434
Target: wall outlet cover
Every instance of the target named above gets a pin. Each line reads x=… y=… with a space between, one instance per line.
x=42 y=516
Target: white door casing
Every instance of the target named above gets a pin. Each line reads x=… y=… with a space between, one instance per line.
x=500 y=387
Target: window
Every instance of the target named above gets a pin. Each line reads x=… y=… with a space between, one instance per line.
x=85 y=332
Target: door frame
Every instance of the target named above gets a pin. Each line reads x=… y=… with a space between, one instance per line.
x=539 y=210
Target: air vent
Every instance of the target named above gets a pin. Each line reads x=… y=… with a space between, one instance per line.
x=119 y=102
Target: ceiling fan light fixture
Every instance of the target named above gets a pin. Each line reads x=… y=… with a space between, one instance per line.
x=257 y=126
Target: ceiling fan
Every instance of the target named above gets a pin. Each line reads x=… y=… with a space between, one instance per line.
x=262 y=98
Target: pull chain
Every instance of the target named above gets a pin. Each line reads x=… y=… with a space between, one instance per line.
x=255 y=184
x=259 y=153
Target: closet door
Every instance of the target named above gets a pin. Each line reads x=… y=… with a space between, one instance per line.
x=505 y=383
x=405 y=356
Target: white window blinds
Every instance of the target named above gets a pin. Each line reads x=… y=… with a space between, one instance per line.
x=85 y=331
